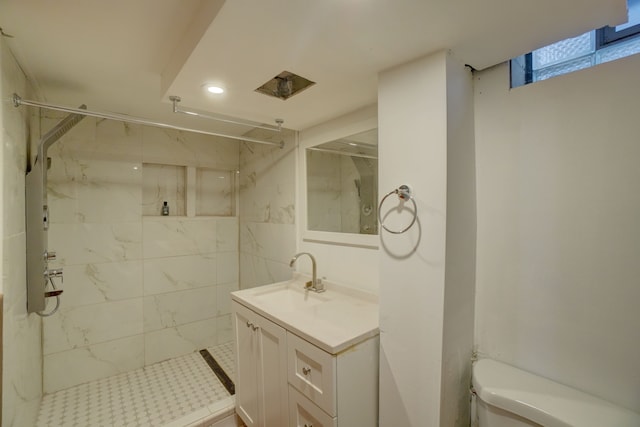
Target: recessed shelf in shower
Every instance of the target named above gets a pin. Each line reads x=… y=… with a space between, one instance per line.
x=189 y=191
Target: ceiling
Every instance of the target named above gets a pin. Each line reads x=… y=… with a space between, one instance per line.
x=129 y=56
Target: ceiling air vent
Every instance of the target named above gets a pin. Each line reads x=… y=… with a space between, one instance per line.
x=285 y=85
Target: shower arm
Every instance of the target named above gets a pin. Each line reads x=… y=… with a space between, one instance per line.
x=18 y=101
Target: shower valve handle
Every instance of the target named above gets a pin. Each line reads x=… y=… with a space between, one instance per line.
x=54 y=272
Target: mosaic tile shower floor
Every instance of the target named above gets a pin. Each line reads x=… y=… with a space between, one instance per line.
x=162 y=394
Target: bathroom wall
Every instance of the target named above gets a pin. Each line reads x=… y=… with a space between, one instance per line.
x=139 y=288
x=267 y=209
x=425 y=115
x=21 y=365
x=558 y=234
x=342 y=263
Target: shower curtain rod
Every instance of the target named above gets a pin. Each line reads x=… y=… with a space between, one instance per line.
x=176 y=109
x=343 y=153
x=18 y=101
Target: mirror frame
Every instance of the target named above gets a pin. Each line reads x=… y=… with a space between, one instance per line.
x=361 y=121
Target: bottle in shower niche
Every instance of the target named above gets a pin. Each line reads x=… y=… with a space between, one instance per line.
x=165 y=209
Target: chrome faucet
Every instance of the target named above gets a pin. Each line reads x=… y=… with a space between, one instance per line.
x=314 y=284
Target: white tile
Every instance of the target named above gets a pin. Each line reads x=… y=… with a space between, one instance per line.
x=276 y=242
x=14 y=274
x=223 y=299
x=183 y=148
x=26 y=413
x=257 y=271
x=14 y=158
x=115 y=140
x=95 y=243
x=179 y=273
x=178 y=236
x=68 y=368
x=160 y=184
x=94 y=283
x=21 y=332
x=175 y=392
x=92 y=324
x=227 y=267
x=97 y=139
x=172 y=342
x=22 y=349
x=215 y=192
x=178 y=308
x=227 y=236
x=73 y=143
x=224 y=329
x=93 y=191
x=267 y=183
x=189 y=418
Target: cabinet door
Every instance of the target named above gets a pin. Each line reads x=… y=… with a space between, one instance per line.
x=247 y=352
x=273 y=373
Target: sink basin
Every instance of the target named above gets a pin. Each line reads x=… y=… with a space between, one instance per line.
x=333 y=320
x=290 y=296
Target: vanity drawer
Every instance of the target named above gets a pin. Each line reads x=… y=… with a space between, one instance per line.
x=312 y=372
x=303 y=413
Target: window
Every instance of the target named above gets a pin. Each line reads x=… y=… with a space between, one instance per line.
x=586 y=50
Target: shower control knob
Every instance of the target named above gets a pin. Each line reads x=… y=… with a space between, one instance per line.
x=54 y=272
x=49 y=255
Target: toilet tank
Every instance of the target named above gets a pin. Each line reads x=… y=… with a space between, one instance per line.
x=510 y=397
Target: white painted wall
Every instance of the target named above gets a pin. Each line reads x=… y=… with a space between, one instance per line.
x=558 y=271
x=460 y=280
x=340 y=263
x=425 y=112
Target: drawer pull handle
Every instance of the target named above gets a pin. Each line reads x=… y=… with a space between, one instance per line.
x=251 y=325
x=308 y=425
x=306 y=371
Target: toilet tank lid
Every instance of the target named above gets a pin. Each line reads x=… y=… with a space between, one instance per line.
x=544 y=401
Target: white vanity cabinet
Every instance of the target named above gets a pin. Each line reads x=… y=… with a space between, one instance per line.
x=332 y=390
x=305 y=359
x=261 y=375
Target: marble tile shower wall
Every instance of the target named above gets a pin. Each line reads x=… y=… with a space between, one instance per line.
x=22 y=368
x=267 y=211
x=138 y=288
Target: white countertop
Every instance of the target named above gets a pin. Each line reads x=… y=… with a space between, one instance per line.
x=333 y=320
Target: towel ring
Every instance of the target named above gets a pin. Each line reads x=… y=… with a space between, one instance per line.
x=404 y=193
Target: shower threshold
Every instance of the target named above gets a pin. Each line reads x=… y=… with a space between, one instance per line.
x=180 y=392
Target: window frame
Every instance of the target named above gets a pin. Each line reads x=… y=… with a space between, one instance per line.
x=606 y=36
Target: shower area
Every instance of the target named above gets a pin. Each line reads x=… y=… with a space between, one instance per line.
x=143 y=327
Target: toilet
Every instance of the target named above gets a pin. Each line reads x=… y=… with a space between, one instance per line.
x=506 y=396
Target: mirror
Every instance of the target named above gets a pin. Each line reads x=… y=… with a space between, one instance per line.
x=342 y=185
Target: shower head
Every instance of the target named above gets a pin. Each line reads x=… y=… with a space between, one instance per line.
x=58 y=131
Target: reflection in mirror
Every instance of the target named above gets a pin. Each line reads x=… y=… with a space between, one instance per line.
x=342 y=185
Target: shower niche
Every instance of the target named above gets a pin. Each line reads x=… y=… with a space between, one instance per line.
x=188 y=191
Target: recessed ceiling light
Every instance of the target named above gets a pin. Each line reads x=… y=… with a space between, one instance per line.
x=215 y=89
